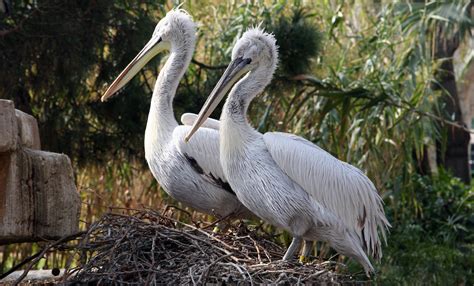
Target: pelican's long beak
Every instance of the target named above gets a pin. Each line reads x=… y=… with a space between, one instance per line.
x=236 y=69
x=151 y=49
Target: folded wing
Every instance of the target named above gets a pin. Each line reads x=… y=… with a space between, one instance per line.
x=202 y=151
x=341 y=188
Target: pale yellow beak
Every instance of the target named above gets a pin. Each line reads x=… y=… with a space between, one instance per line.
x=151 y=49
x=236 y=69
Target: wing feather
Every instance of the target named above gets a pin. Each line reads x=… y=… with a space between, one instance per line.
x=342 y=188
x=203 y=147
x=188 y=119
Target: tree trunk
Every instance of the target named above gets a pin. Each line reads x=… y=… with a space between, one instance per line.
x=455 y=156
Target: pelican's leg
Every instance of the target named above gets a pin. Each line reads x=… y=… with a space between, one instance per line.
x=221 y=226
x=307 y=248
x=217 y=228
x=294 y=246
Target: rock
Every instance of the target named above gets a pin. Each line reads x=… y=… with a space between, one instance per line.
x=57 y=202
x=39 y=277
x=28 y=130
x=16 y=203
x=8 y=126
x=38 y=197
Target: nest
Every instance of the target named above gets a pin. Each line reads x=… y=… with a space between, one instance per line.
x=148 y=248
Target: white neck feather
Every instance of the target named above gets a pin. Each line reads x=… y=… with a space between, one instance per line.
x=235 y=128
x=161 y=121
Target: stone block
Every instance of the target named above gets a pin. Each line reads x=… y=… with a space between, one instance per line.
x=38 y=197
x=57 y=202
x=16 y=199
x=28 y=130
x=8 y=126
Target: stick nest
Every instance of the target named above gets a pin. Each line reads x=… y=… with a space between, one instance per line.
x=149 y=248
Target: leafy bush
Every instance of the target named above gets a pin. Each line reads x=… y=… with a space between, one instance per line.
x=432 y=238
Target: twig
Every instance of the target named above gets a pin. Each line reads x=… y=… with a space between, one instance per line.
x=206 y=270
x=19 y=265
x=38 y=256
x=202 y=65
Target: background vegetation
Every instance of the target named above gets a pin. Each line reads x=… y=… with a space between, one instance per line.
x=355 y=77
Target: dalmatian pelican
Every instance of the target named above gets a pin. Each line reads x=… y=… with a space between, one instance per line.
x=190 y=173
x=287 y=180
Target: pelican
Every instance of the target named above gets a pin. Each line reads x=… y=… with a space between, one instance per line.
x=190 y=173
x=284 y=179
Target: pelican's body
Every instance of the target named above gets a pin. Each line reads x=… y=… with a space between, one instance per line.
x=183 y=171
x=285 y=179
x=190 y=173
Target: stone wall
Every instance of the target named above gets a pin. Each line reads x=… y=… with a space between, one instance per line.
x=38 y=197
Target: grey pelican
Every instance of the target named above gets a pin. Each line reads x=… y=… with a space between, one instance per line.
x=190 y=173
x=284 y=179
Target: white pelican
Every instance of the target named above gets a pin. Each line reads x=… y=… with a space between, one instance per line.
x=285 y=179
x=190 y=173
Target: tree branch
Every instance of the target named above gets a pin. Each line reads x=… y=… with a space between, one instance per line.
x=202 y=65
x=33 y=259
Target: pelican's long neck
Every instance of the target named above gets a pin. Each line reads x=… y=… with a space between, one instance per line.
x=161 y=121
x=235 y=129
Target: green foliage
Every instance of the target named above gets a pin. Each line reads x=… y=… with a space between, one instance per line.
x=454 y=16
x=432 y=239
x=445 y=207
x=412 y=260
x=298 y=41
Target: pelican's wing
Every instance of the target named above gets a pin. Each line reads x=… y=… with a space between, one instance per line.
x=189 y=118
x=341 y=188
x=202 y=151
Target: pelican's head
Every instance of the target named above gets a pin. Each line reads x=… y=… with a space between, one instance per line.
x=175 y=31
x=255 y=54
x=258 y=50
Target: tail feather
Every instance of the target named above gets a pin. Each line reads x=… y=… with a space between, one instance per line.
x=347 y=242
x=373 y=230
